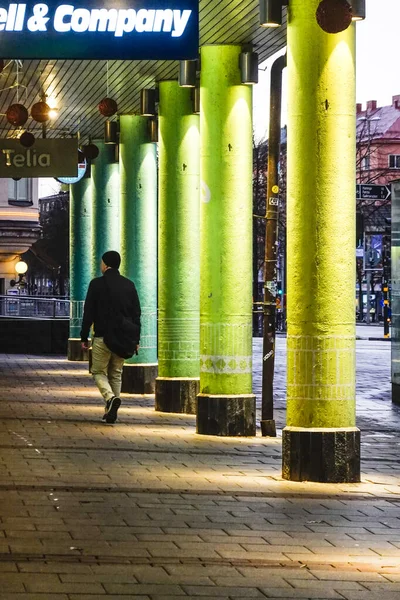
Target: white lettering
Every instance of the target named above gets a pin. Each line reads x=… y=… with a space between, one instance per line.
x=19 y=160
x=103 y=19
x=125 y=22
x=67 y=19
x=12 y=13
x=44 y=160
x=19 y=21
x=3 y=18
x=30 y=159
x=164 y=19
x=180 y=21
x=80 y=20
x=145 y=20
x=8 y=153
x=65 y=10
x=38 y=21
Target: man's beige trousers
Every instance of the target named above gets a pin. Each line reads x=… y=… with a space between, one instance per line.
x=106 y=369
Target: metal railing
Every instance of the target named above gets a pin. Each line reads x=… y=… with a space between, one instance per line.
x=33 y=307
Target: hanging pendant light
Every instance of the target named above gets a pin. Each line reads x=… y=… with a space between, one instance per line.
x=148 y=99
x=153 y=130
x=271 y=13
x=187 y=73
x=248 y=63
x=196 y=99
x=110 y=132
x=358 y=10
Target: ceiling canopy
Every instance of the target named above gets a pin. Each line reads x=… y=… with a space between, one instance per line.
x=76 y=87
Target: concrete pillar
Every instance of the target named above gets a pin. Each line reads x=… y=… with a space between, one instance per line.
x=320 y=442
x=178 y=290
x=80 y=264
x=138 y=169
x=395 y=291
x=226 y=405
x=105 y=198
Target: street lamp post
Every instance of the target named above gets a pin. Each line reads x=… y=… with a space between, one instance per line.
x=20 y=268
x=367 y=119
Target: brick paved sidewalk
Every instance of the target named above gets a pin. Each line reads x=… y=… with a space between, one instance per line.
x=146 y=509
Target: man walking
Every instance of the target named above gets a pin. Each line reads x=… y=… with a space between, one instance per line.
x=112 y=307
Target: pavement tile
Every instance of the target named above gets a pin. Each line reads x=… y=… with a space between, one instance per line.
x=293 y=593
x=109 y=513
x=215 y=592
x=341 y=575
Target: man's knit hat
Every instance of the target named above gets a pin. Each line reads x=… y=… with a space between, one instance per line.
x=111 y=259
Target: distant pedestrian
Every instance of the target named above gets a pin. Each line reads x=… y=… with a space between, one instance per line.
x=112 y=306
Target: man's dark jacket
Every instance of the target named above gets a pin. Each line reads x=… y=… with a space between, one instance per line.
x=112 y=288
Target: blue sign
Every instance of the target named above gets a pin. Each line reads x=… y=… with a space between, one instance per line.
x=81 y=172
x=100 y=29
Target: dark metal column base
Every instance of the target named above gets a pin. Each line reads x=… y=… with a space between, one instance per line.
x=268 y=428
x=396 y=393
x=324 y=455
x=75 y=352
x=177 y=394
x=226 y=415
x=139 y=378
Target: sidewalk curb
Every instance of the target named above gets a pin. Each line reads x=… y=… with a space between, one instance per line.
x=373 y=339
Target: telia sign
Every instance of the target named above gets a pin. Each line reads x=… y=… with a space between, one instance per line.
x=100 y=29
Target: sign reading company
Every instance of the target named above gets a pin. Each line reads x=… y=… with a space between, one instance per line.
x=100 y=29
x=46 y=158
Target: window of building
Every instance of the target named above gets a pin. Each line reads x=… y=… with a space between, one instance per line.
x=394 y=161
x=365 y=163
x=20 y=192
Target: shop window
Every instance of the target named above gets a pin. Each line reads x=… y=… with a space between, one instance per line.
x=394 y=161
x=20 y=192
x=365 y=163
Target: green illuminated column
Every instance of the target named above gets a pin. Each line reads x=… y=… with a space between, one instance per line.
x=138 y=168
x=226 y=405
x=178 y=359
x=105 y=196
x=321 y=442
x=80 y=266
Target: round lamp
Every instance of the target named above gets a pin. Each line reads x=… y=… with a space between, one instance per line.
x=334 y=16
x=17 y=114
x=90 y=151
x=40 y=112
x=21 y=267
x=27 y=139
x=108 y=107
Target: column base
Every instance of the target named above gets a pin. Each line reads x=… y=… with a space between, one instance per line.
x=139 y=378
x=268 y=428
x=321 y=454
x=75 y=352
x=177 y=394
x=396 y=393
x=226 y=415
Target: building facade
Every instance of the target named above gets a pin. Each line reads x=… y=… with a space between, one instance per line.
x=19 y=224
x=378 y=142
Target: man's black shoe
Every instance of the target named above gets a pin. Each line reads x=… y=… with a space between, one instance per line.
x=108 y=404
x=111 y=414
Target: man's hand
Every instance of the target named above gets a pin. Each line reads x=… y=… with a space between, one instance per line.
x=85 y=345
